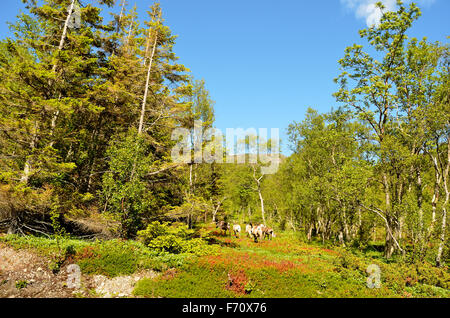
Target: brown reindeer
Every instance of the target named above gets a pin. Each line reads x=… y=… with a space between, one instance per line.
x=268 y=233
x=224 y=226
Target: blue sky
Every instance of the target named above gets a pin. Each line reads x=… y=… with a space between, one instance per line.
x=263 y=61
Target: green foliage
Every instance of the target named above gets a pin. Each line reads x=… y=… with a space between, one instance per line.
x=116 y=258
x=274 y=271
x=156 y=229
x=152 y=231
x=187 y=284
x=167 y=243
x=175 y=239
x=285 y=268
x=193 y=209
x=162 y=262
x=70 y=105
x=110 y=258
x=198 y=247
x=22 y=284
x=375 y=169
x=395 y=93
x=125 y=192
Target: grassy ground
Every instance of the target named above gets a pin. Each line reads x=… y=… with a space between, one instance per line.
x=283 y=267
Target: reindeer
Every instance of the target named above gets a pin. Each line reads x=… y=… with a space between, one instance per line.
x=257 y=232
x=248 y=229
x=268 y=233
x=237 y=230
x=224 y=226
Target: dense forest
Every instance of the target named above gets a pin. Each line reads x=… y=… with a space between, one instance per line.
x=89 y=100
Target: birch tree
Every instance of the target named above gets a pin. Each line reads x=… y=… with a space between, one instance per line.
x=370 y=88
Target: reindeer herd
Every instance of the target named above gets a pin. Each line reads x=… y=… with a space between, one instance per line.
x=257 y=232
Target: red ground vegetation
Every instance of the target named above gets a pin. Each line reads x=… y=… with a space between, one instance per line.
x=237 y=282
x=247 y=261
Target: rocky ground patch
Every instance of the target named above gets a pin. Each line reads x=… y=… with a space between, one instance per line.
x=24 y=274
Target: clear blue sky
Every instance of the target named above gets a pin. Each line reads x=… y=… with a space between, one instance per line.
x=263 y=61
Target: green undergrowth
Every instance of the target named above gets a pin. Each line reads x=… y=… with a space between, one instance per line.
x=110 y=258
x=159 y=247
x=225 y=266
x=286 y=267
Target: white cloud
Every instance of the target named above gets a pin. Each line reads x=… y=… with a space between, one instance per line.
x=366 y=9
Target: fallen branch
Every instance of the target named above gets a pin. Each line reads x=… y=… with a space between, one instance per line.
x=162 y=170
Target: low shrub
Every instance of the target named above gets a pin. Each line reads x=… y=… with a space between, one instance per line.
x=109 y=258
x=347 y=260
x=193 y=282
x=157 y=229
x=22 y=284
x=177 y=245
x=429 y=275
x=174 y=239
x=199 y=247
x=162 y=262
x=167 y=243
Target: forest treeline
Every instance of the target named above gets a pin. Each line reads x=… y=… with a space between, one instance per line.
x=87 y=112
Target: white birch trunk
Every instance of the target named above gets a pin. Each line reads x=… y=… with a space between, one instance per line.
x=444 y=207
x=147 y=83
x=121 y=11
x=64 y=33
x=60 y=47
x=27 y=170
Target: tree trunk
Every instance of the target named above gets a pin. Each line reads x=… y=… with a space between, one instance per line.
x=434 y=203
x=359 y=224
x=262 y=206
x=293 y=222
x=214 y=219
x=122 y=5
x=27 y=170
x=435 y=199
x=420 y=234
x=147 y=83
x=444 y=208
x=309 y=235
x=392 y=223
x=127 y=40
x=345 y=230
x=261 y=199
x=392 y=230
x=443 y=228
x=60 y=47
x=64 y=33
x=13 y=225
x=190 y=178
x=392 y=235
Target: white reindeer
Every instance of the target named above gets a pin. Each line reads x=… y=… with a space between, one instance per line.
x=237 y=230
x=257 y=232
x=248 y=229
